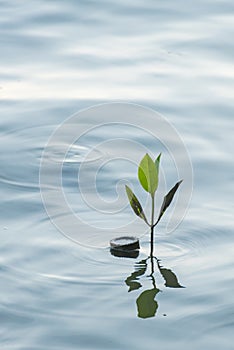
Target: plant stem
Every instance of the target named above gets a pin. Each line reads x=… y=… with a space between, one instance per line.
x=152 y=241
x=152 y=214
x=152 y=228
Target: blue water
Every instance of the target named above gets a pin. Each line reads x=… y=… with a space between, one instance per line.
x=64 y=290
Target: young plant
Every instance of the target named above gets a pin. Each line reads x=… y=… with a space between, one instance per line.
x=148 y=171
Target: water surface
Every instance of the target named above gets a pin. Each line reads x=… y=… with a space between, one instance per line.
x=58 y=58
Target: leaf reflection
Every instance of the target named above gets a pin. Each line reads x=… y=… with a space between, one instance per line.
x=130 y=281
x=169 y=277
x=146 y=305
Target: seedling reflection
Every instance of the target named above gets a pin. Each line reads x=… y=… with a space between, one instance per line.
x=147 y=306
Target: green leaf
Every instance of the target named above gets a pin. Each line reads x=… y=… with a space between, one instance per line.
x=167 y=200
x=146 y=305
x=157 y=161
x=135 y=204
x=148 y=174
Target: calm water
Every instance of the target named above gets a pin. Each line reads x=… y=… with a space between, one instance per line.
x=56 y=59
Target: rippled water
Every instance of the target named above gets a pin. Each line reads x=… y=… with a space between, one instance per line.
x=58 y=292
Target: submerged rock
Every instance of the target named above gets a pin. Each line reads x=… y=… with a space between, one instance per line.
x=125 y=246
